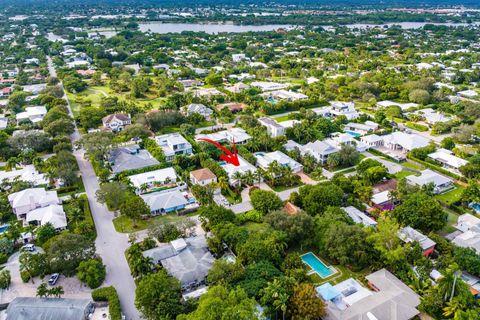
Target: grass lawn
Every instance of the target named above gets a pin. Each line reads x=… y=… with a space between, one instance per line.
x=282 y=118
x=452 y=196
x=256 y=227
x=124 y=224
x=411 y=165
x=231 y=196
x=283 y=188
x=451 y=221
x=402 y=174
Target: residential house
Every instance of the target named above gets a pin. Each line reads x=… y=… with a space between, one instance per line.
x=269 y=86
x=404 y=141
x=320 y=150
x=274 y=96
x=173 y=144
x=467 y=94
x=52 y=214
x=409 y=235
x=130 y=158
x=372 y=140
x=467 y=222
x=34 y=114
x=389 y=298
x=361 y=128
x=265 y=159
x=403 y=106
x=27 y=173
x=187 y=259
x=23 y=308
x=34 y=89
x=206 y=93
x=5 y=92
x=237 y=87
x=238 y=57
x=441 y=183
x=163 y=202
x=30 y=199
x=359 y=216
x=191 y=83
x=200 y=109
x=347 y=109
x=468 y=235
x=382 y=200
x=202 y=177
x=447 y=159
x=274 y=128
x=244 y=168
x=156 y=178
x=242 y=76
x=432 y=116
x=340 y=139
x=116 y=122
x=237 y=135
x=232 y=106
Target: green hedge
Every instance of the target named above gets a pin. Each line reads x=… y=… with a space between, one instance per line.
x=437 y=168
x=154 y=149
x=416 y=126
x=83 y=199
x=110 y=295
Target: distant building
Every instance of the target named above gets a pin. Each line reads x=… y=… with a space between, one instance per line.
x=34 y=114
x=359 y=217
x=238 y=57
x=238 y=135
x=200 y=109
x=116 y=122
x=202 y=177
x=320 y=150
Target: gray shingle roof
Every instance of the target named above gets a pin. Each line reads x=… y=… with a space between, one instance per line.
x=48 y=309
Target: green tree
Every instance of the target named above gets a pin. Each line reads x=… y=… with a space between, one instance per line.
x=315 y=199
x=305 y=304
x=276 y=295
x=92 y=272
x=220 y=303
x=5 y=279
x=265 y=201
x=113 y=194
x=134 y=207
x=44 y=233
x=158 y=296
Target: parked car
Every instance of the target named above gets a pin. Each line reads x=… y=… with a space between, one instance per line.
x=29 y=247
x=53 y=279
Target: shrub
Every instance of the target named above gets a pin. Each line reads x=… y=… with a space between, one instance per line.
x=5 y=279
x=25 y=276
x=92 y=272
x=3 y=258
x=110 y=295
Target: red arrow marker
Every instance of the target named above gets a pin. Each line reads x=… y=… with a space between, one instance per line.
x=228 y=157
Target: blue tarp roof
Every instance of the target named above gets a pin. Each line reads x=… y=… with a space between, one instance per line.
x=327 y=291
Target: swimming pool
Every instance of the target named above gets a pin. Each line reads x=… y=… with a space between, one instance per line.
x=475 y=206
x=4 y=228
x=353 y=133
x=317 y=265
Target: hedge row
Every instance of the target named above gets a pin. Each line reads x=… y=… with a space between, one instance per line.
x=154 y=149
x=110 y=295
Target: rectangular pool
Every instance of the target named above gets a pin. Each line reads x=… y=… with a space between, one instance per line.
x=353 y=133
x=317 y=265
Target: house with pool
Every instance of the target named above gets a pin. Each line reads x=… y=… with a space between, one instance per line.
x=264 y=159
x=360 y=129
x=242 y=170
x=386 y=297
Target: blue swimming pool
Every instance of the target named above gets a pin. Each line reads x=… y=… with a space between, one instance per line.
x=353 y=133
x=475 y=206
x=317 y=265
x=4 y=228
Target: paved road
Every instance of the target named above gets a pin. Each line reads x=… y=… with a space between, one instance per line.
x=110 y=244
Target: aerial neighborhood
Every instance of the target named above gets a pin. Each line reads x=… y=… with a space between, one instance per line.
x=354 y=193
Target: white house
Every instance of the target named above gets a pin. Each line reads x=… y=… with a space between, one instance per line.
x=359 y=216
x=265 y=159
x=403 y=106
x=441 y=183
x=362 y=128
x=274 y=128
x=432 y=116
x=340 y=139
x=160 y=177
x=238 y=57
x=202 y=177
x=243 y=169
x=34 y=114
x=448 y=159
x=238 y=135
x=320 y=150
x=200 y=109
x=467 y=222
x=372 y=140
x=468 y=93
x=404 y=141
x=238 y=87
x=173 y=144
x=52 y=214
x=284 y=95
x=269 y=86
x=28 y=174
x=27 y=200
x=116 y=122
x=347 y=109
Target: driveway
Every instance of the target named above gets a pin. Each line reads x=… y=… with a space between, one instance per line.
x=72 y=286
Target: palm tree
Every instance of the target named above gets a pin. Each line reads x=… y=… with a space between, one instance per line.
x=259 y=175
x=249 y=178
x=238 y=177
x=12 y=163
x=42 y=290
x=288 y=176
x=57 y=292
x=222 y=183
x=453 y=307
